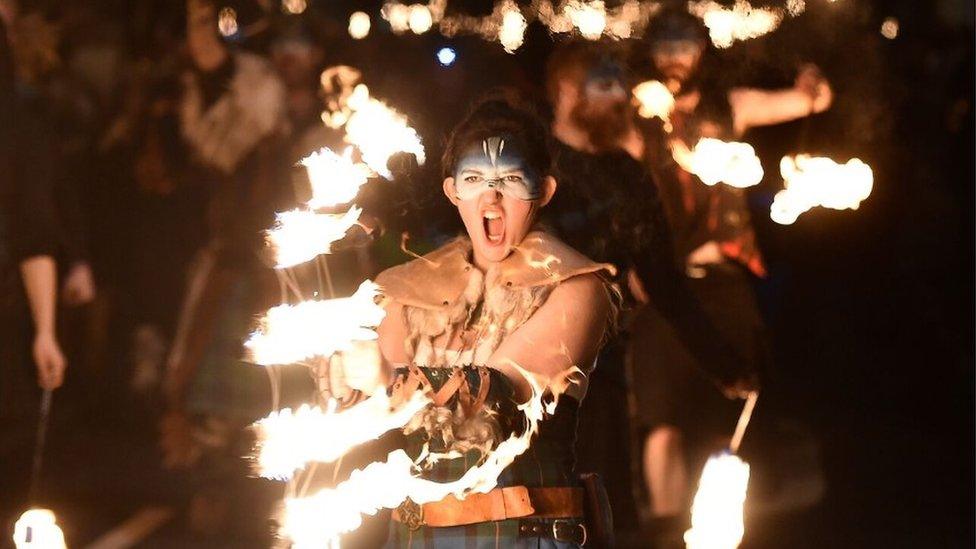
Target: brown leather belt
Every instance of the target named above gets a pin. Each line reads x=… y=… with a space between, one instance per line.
x=499 y=504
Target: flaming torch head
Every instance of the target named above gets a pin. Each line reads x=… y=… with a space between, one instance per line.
x=717 y=511
x=38 y=529
x=654 y=100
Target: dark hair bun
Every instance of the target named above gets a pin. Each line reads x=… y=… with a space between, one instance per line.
x=501 y=111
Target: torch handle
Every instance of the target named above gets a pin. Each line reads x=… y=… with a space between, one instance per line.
x=42 y=421
x=744 y=417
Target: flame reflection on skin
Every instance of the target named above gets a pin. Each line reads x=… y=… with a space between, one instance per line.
x=292 y=333
x=715 y=161
x=716 y=513
x=38 y=529
x=817 y=181
x=288 y=440
x=315 y=520
x=301 y=235
x=740 y=22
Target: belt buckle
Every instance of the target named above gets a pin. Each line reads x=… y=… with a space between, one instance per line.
x=411 y=514
x=570 y=524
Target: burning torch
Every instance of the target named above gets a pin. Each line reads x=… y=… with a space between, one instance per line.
x=717 y=511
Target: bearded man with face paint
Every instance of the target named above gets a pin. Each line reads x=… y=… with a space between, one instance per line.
x=465 y=320
x=608 y=207
x=715 y=246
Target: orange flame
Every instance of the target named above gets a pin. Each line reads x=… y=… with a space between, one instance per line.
x=714 y=161
x=289 y=440
x=716 y=513
x=291 y=333
x=315 y=520
x=816 y=181
x=301 y=235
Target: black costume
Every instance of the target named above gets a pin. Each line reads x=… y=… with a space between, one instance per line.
x=608 y=208
x=668 y=394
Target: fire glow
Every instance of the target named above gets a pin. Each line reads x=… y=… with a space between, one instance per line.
x=715 y=161
x=654 y=100
x=38 y=529
x=315 y=520
x=292 y=333
x=334 y=179
x=301 y=235
x=817 y=181
x=379 y=131
x=740 y=22
x=288 y=440
x=717 y=511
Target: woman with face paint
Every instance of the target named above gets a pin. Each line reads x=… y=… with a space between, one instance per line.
x=465 y=320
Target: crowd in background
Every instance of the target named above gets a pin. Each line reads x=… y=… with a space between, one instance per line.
x=144 y=154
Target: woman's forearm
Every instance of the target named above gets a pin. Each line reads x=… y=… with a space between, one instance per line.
x=40 y=284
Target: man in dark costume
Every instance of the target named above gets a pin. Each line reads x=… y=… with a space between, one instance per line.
x=608 y=207
x=715 y=249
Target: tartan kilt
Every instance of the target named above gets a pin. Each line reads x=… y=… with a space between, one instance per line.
x=547 y=462
x=501 y=534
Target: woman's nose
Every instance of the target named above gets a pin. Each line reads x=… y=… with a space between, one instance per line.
x=492 y=195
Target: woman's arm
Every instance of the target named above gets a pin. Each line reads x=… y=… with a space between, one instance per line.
x=566 y=331
x=392 y=332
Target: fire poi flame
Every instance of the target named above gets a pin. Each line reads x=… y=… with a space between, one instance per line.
x=300 y=235
x=715 y=161
x=379 y=131
x=817 y=181
x=335 y=179
x=717 y=511
x=316 y=520
x=38 y=529
x=654 y=100
x=742 y=21
x=288 y=440
x=291 y=333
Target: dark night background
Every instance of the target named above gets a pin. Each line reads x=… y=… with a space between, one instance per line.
x=870 y=311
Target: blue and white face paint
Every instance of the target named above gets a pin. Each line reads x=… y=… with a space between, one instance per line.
x=496 y=164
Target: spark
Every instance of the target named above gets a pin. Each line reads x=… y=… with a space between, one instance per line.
x=715 y=161
x=817 y=181
x=889 y=28
x=716 y=513
x=38 y=529
x=796 y=7
x=359 y=25
x=511 y=34
x=292 y=333
x=227 y=22
x=589 y=17
x=300 y=235
x=334 y=179
x=446 y=56
x=420 y=19
x=294 y=7
x=740 y=22
x=288 y=440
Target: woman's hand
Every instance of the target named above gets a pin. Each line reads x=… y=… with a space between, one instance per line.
x=49 y=360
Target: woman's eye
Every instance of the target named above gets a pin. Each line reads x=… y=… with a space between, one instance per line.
x=472 y=179
x=513 y=179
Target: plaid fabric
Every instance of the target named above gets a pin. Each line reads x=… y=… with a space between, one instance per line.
x=548 y=461
x=484 y=535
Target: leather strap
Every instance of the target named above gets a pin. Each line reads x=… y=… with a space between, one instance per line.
x=498 y=504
